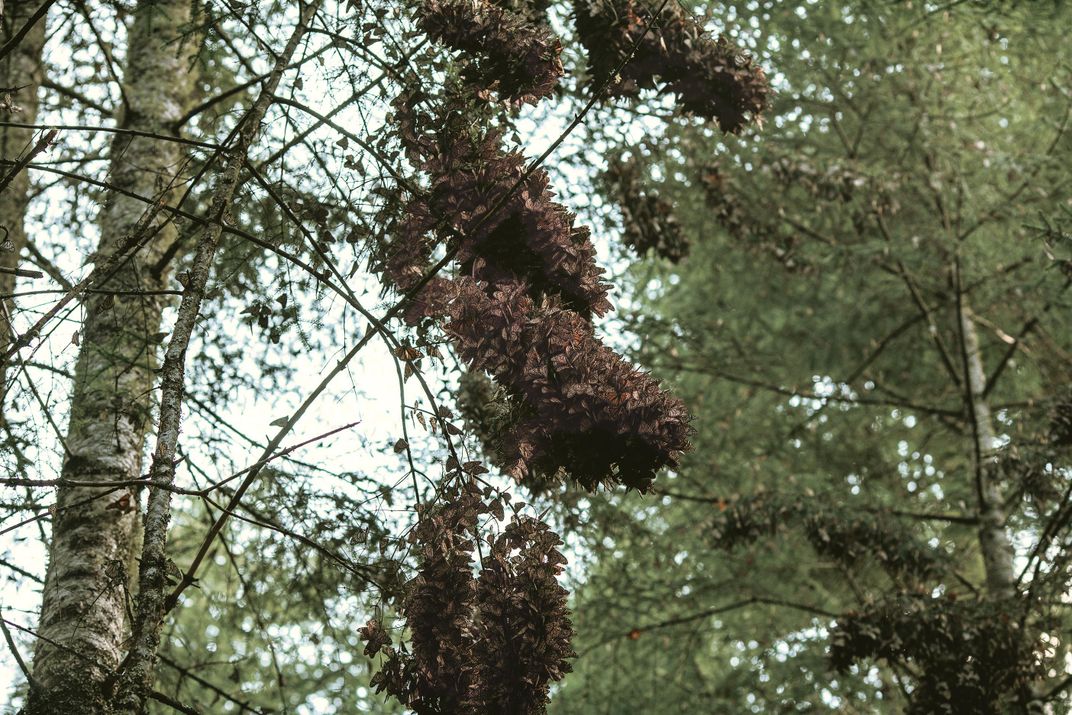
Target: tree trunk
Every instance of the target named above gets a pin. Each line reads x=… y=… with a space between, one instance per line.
x=20 y=69
x=994 y=542
x=96 y=531
x=136 y=676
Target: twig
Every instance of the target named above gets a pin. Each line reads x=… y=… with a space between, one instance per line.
x=172 y=703
x=136 y=673
x=243 y=706
x=37 y=16
x=21 y=272
x=1030 y=325
x=41 y=144
x=15 y=652
x=707 y=613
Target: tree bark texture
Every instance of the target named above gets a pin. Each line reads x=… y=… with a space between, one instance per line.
x=22 y=72
x=84 y=626
x=136 y=676
x=994 y=542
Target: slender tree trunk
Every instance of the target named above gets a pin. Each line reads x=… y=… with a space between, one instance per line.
x=95 y=531
x=21 y=71
x=994 y=542
x=136 y=676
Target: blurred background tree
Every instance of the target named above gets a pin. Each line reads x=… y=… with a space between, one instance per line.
x=873 y=335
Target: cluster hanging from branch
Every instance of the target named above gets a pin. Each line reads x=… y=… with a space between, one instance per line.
x=763 y=234
x=836 y=532
x=500 y=222
x=648 y=219
x=480 y=645
x=518 y=306
x=588 y=412
x=866 y=200
x=969 y=656
x=712 y=77
x=522 y=307
x=505 y=54
x=530 y=284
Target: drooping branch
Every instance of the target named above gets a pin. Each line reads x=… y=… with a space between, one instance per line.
x=848 y=536
x=970 y=655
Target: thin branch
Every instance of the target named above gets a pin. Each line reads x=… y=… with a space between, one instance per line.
x=77 y=96
x=128 y=243
x=22 y=162
x=189 y=577
x=243 y=705
x=708 y=613
x=42 y=261
x=136 y=673
x=21 y=571
x=241 y=87
x=115 y=130
x=15 y=653
x=21 y=272
x=172 y=703
x=38 y=16
x=922 y=516
x=791 y=392
x=921 y=304
x=46 y=639
x=1030 y=325
x=105 y=52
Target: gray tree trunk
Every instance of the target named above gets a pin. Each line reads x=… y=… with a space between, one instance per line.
x=96 y=531
x=21 y=69
x=136 y=677
x=997 y=550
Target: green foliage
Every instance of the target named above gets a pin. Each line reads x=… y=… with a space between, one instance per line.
x=275 y=621
x=813 y=330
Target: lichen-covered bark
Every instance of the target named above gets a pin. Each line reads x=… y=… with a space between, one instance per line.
x=136 y=676
x=20 y=69
x=96 y=531
x=996 y=549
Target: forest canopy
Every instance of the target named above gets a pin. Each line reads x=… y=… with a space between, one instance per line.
x=516 y=357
